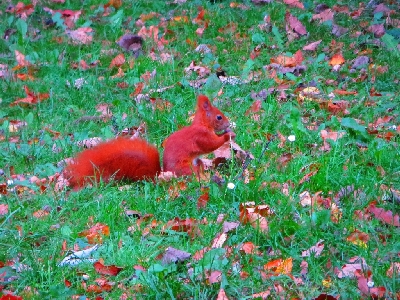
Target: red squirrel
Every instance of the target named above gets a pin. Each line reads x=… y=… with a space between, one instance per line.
x=135 y=159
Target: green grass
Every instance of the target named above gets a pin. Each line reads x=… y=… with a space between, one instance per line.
x=357 y=159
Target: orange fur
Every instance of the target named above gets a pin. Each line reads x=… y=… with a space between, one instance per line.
x=126 y=159
x=183 y=147
x=120 y=159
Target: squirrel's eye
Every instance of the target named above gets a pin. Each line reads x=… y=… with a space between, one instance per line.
x=219 y=118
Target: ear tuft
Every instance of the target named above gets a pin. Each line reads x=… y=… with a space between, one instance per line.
x=203 y=102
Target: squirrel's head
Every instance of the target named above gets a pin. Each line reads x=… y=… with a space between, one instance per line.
x=210 y=115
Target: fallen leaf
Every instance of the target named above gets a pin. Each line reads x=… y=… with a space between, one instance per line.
x=40 y=214
x=213 y=276
x=106 y=270
x=3 y=209
x=31 y=98
x=117 y=61
x=222 y=295
x=358 y=238
x=337 y=59
x=83 y=35
x=280 y=266
x=393 y=270
x=219 y=240
x=95 y=233
x=295 y=24
x=172 y=255
x=385 y=216
x=326 y=15
x=312 y=46
x=294 y=3
x=21 y=60
x=317 y=250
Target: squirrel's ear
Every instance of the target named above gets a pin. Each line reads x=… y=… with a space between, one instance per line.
x=203 y=102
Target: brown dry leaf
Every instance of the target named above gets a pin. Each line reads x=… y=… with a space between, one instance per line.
x=138 y=89
x=263 y=295
x=308 y=176
x=287 y=61
x=294 y=3
x=21 y=10
x=25 y=77
x=337 y=59
x=213 y=276
x=114 y=3
x=222 y=295
x=248 y=214
x=3 y=209
x=295 y=24
x=117 y=61
x=40 y=214
x=230 y=28
x=377 y=29
x=31 y=98
x=69 y=16
x=358 y=238
x=250 y=248
x=120 y=74
x=254 y=108
x=21 y=60
x=203 y=199
x=280 y=266
x=83 y=35
x=95 y=234
x=356 y=263
x=331 y=135
x=305 y=199
x=229 y=226
x=283 y=160
x=317 y=250
x=189 y=225
x=173 y=255
x=393 y=270
x=386 y=216
x=326 y=15
x=106 y=270
x=219 y=240
x=312 y=46
x=363 y=280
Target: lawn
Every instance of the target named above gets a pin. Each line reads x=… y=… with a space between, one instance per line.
x=305 y=205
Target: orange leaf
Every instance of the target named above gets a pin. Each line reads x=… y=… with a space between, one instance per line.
x=337 y=59
x=117 y=61
x=138 y=89
x=385 y=216
x=219 y=240
x=280 y=266
x=20 y=58
x=114 y=3
x=106 y=270
x=358 y=238
x=287 y=61
x=295 y=3
x=95 y=233
x=40 y=214
x=203 y=200
x=31 y=98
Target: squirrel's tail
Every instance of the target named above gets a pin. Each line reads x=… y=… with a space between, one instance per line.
x=119 y=159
